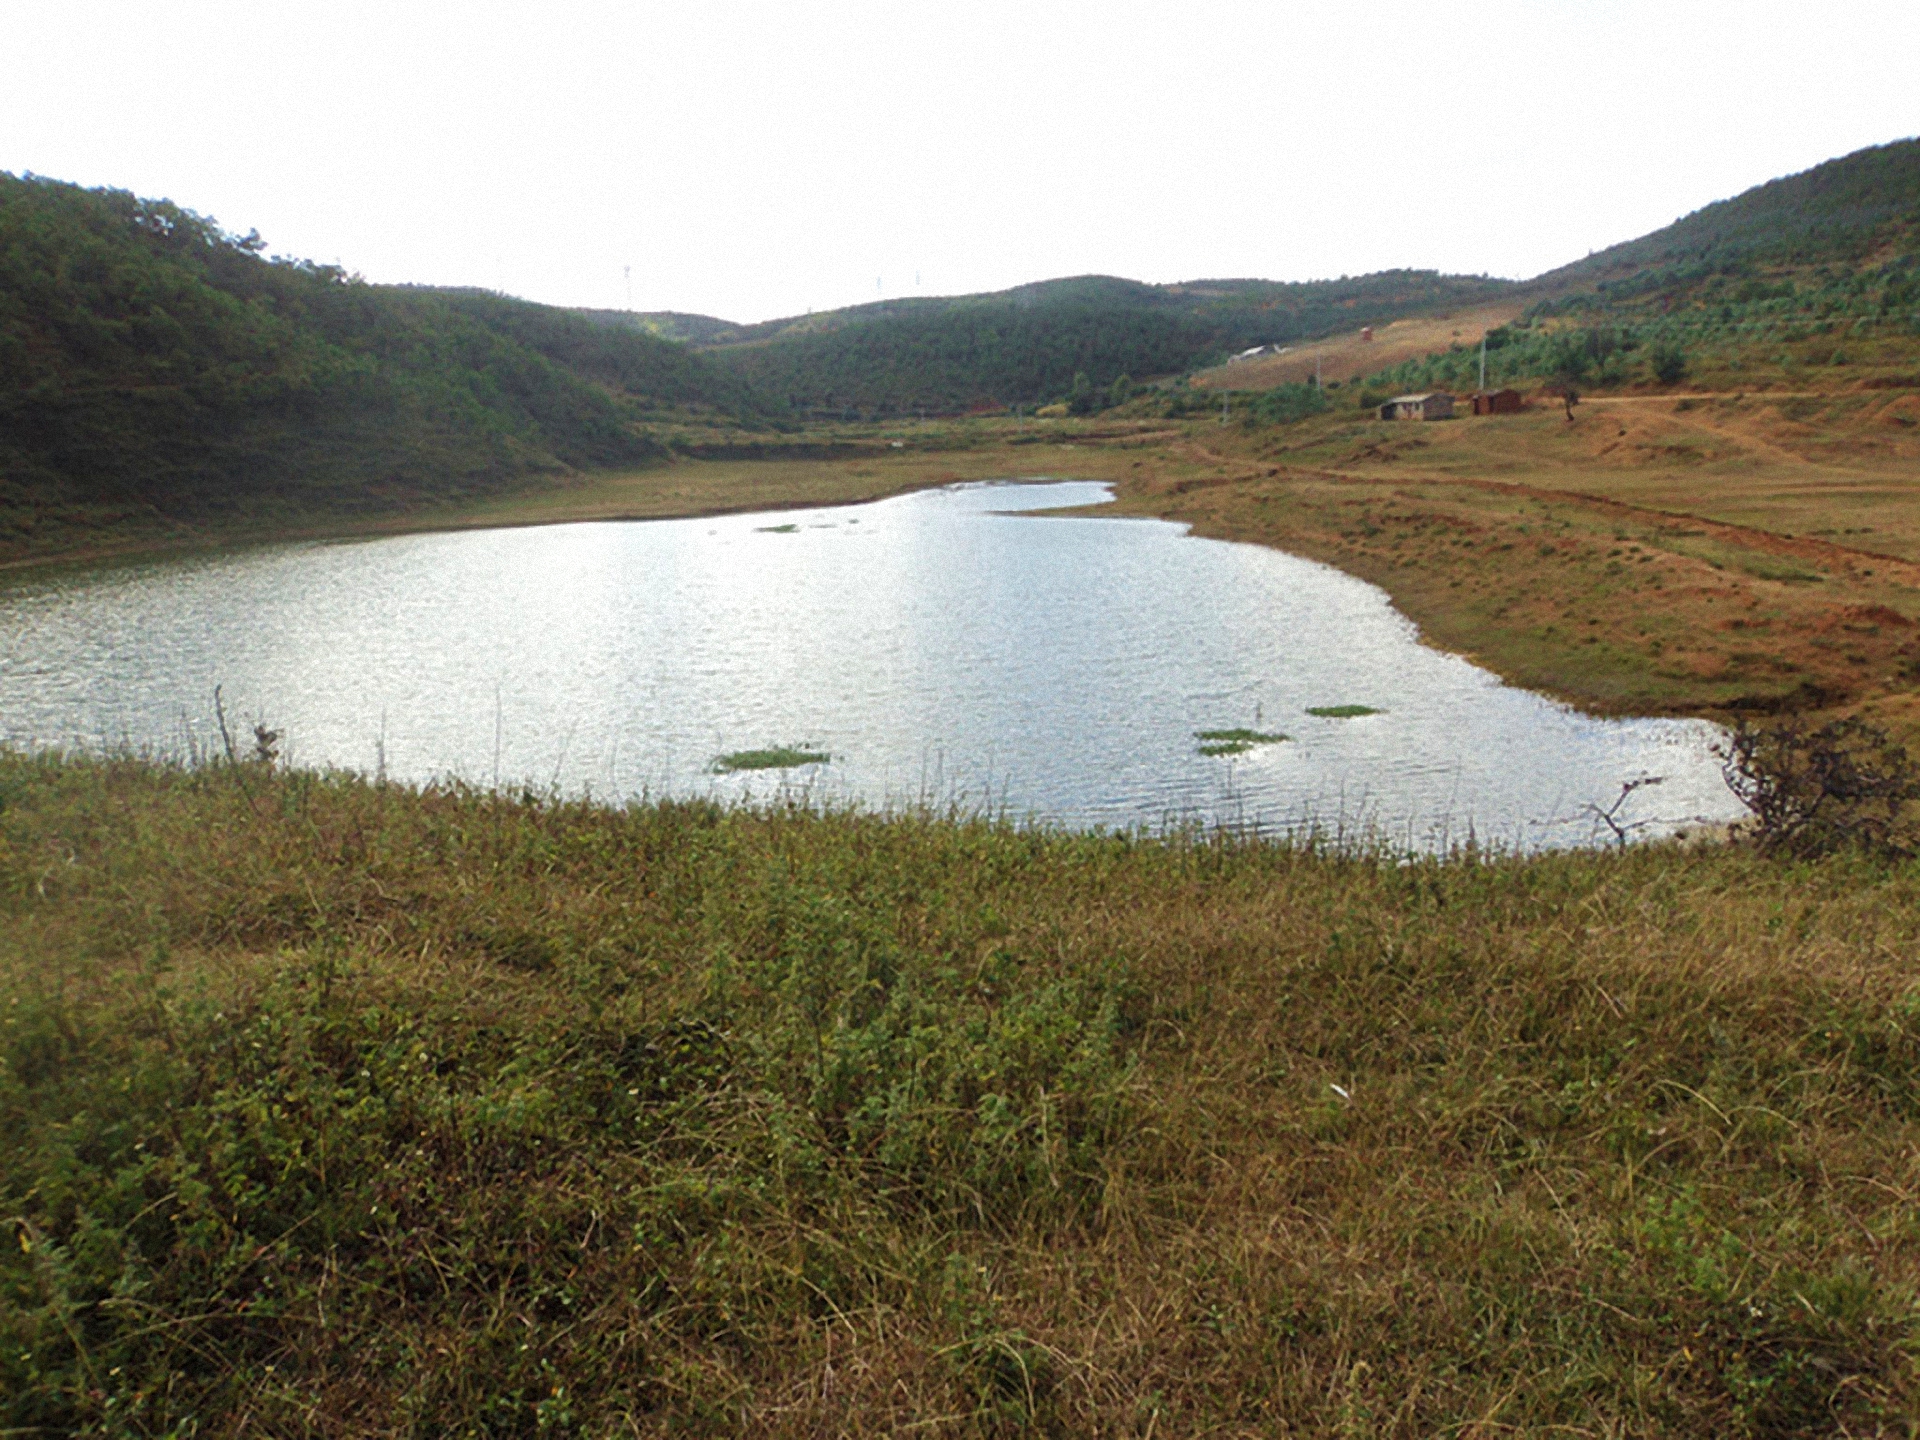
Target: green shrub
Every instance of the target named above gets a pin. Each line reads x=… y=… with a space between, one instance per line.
x=1668 y=362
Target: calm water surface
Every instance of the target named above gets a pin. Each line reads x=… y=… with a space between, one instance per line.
x=940 y=646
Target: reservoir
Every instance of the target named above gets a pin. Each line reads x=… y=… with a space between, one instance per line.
x=949 y=647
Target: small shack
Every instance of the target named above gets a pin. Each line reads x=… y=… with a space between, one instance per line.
x=1497 y=402
x=1433 y=405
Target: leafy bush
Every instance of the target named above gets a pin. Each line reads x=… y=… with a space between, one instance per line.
x=991 y=1091
x=1668 y=362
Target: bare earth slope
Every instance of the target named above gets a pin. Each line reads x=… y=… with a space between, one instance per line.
x=1347 y=355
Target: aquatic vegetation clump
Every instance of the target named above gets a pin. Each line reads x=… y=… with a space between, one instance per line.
x=1342 y=712
x=1236 y=741
x=776 y=757
x=776 y=529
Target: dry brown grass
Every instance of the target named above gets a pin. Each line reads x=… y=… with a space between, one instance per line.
x=938 y=455
x=335 y=1109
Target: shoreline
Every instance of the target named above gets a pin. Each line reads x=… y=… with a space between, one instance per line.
x=1081 y=505
x=684 y=490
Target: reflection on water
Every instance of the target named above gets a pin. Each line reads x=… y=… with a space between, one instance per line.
x=937 y=646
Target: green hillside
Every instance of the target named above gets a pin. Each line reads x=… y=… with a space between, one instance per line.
x=154 y=364
x=1795 y=277
x=1839 y=230
x=1028 y=344
x=1841 y=211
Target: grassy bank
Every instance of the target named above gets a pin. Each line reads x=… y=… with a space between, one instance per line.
x=332 y=1108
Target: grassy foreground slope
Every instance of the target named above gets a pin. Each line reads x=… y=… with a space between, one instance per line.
x=331 y=1108
x=157 y=371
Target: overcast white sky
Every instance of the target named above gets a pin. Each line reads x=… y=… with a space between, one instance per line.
x=752 y=159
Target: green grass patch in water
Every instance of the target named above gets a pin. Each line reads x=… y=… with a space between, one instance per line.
x=776 y=529
x=1342 y=712
x=777 y=757
x=1234 y=742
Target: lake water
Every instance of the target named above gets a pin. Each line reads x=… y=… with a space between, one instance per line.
x=939 y=646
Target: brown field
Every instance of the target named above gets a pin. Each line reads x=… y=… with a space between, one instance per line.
x=1709 y=555
x=1342 y=357
x=710 y=487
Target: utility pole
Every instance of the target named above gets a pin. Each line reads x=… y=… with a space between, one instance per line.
x=629 y=274
x=1223 y=406
x=1483 y=360
x=1316 y=374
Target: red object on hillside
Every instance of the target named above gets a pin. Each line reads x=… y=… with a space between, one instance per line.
x=1366 y=333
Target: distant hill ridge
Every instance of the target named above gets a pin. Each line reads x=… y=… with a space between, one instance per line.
x=1029 y=343
x=153 y=363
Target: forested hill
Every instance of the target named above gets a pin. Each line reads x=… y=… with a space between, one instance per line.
x=152 y=362
x=1852 y=213
x=1029 y=344
x=1820 y=268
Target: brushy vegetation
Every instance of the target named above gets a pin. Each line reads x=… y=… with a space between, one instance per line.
x=1814 y=789
x=1819 y=269
x=1840 y=210
x=1607 y=340
x=1341 y=712
x=331 y=1108
x=1251 y=409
